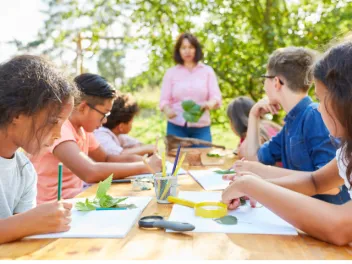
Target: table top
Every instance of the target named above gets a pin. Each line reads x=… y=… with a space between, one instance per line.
x=142 y=244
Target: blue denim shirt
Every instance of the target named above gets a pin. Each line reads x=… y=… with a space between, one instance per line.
x=303 y=143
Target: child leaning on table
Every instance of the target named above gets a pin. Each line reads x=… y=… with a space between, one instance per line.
x=35 y=100
x=83 y=158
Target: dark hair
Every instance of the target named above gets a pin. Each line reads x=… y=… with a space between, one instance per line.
x=238 y=112
x=29 y=84
x=295 y=65
x=123 y=110
x=334 y=71
x=194 y=42
x=94 y=88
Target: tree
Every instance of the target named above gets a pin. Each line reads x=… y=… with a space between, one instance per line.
x=110 y=65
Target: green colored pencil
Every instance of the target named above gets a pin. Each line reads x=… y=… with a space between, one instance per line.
x=59 y=182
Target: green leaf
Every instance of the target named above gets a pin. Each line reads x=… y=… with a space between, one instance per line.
x=224 y=171
x=85 y=206
x=227 y=220
x=213 y=155
x=192 y=111
x=103 y=200
x=104 y=187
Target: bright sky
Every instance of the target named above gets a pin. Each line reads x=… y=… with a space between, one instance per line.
x=22 y=19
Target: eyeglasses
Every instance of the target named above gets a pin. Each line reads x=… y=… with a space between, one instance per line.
x=105 y=115
x=271 y=77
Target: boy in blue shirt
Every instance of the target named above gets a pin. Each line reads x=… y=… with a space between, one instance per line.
x=303 y=144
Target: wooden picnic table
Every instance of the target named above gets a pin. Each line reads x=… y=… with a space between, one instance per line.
x=142 y=244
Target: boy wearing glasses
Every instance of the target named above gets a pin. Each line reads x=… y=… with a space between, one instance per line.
x=83 y=158
x=303 y=144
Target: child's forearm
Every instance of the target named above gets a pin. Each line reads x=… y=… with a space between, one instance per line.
x=271 y=172
x=252 y=138
x=102 y=170
x=15 y=227
x=124 y=157
x=139 y=150
x=308 y=214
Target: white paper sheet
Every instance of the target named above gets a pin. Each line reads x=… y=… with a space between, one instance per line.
x=250 y=220
x=209 y=180
x=169 y=167
x=102 y=224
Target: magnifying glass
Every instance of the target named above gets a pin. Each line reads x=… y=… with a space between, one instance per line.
x=155 y=221
x=203 y=209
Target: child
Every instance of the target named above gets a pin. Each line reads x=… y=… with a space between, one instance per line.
x=303 y=144
x=35 y=100
x=83 y=158
x=327 y=222
x=113 y=137
x=238 y=112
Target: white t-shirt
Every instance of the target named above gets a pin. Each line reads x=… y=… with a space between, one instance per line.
x=342 y=170
x=18 y=185
x=113 y=144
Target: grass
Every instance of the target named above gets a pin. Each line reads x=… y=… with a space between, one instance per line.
x=151 y=122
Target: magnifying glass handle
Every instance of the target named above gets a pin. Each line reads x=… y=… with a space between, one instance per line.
x=175 y=226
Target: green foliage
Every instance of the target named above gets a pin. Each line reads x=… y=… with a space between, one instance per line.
x=110 y=65
x=227 y=220
x=192 y=111
x=102 y=199
x=237 y=36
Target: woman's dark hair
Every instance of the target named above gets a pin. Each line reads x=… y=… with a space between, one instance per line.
x=334 y=71
x=123 y=110
x=238 y=112
x=194 y=42
x=94 y=88
x=29 y=84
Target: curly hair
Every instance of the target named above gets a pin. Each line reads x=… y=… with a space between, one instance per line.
x=123 y=111
x=29 y=84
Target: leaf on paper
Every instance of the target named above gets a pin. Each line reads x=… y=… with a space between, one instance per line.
x=227 y=220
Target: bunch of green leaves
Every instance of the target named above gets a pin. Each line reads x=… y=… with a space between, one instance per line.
x=102 y=199
x=192 y=111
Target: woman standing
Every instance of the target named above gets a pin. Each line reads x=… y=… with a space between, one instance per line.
x=189 y=80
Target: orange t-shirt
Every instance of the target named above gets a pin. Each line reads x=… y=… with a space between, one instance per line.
x=46 y=165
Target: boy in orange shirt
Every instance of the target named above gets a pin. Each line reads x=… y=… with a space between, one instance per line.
x=83 y=158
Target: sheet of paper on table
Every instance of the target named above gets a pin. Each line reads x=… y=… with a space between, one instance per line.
x=250 y=220
x=102 y=224
x=209 y=180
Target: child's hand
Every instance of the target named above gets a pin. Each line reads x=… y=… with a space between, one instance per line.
x=232 y=194
x=263 y=106
x=233 y=176
x=243 y=165
x=50 y=217
x=149 y=149
x=155 y=163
